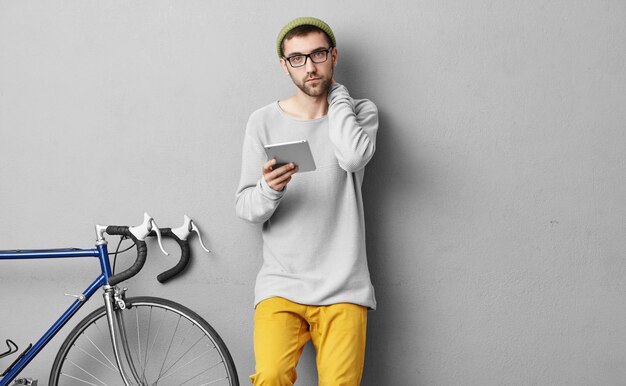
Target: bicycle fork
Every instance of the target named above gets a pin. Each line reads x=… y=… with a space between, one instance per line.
x=115 y=306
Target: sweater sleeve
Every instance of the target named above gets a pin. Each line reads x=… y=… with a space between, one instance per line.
x=255 y=200
x=352 y=128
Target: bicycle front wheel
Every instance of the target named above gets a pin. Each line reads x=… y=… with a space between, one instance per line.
x=166 y=344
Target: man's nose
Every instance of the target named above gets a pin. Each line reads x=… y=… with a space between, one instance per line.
x=310 y=66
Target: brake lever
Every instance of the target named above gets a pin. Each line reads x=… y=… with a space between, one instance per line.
x=148 y=225
x=185 y=230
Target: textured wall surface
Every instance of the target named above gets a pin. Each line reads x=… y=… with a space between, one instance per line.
x=495 y=202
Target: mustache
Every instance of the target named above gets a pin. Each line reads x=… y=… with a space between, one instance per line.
x=313 y=74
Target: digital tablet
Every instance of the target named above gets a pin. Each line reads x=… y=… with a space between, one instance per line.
x=297 y=152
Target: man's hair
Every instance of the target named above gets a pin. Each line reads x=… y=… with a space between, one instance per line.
x=304 y=30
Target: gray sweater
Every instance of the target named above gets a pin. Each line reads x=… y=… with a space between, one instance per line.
x=314 y=230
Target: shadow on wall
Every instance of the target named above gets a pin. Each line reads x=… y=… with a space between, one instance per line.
x=388 y=190
x=391 y=337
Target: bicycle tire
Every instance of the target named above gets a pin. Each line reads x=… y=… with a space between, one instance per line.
x=171 y=344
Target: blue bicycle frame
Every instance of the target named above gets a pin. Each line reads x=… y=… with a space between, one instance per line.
x=101 y=253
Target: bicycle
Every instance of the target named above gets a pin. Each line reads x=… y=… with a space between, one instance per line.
x=129 y=341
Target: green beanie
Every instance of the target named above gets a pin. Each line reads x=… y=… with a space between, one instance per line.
x=303 y=21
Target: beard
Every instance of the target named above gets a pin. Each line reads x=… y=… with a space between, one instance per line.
x=320 y=88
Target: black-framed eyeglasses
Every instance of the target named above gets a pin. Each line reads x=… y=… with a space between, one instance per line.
x=317 y=57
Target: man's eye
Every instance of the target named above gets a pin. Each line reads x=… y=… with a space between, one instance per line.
x=318 y=54
x=297 y=59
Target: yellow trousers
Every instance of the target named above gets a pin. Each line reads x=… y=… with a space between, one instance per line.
x=282 y=328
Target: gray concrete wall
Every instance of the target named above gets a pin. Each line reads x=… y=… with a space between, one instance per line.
x=495 y=202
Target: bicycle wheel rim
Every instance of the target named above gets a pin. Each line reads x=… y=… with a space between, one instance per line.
x=168 y=345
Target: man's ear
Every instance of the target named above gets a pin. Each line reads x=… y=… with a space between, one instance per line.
x=334 y=55
x=283 y=64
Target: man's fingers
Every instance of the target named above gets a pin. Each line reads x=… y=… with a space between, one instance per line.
x=282 y=185
x=278 y=179
x=281 y=170
x=268 y=166
x=281 y=182
x=281 y=177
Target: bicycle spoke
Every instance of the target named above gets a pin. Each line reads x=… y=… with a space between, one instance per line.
x=180 y=346
x=147 y=340
x=190 y=362
x=154 y=340
x=100 y=351
x=97 y=360
x=138 y=339
x=102 y=334
x=212 y=382
x=185 y=365
x=169 y=347
x=182 y=356
x=194 y=377
x=79 y=380
x=88 y=373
